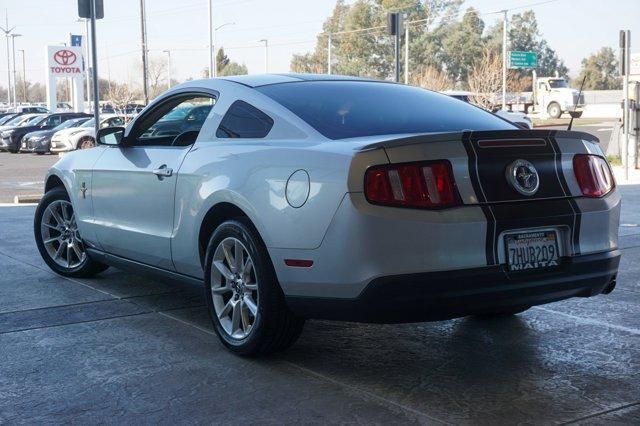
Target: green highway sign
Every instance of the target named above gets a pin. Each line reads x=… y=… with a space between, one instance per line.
x=523 y=60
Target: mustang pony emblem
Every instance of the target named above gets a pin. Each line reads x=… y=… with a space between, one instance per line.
x=523 y=177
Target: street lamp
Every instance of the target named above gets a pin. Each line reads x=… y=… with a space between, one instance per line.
x=168 y=52
x=266 y=54
x=15 y=81
x=24 y=79
x=213 y=48
x=7 y=31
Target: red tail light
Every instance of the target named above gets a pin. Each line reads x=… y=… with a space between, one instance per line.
x=417 y=185
x=593 y=175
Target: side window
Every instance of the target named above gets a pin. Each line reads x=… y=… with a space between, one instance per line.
x=116 y=122
x=54 y=120
x=176 y=122
x=244 y=121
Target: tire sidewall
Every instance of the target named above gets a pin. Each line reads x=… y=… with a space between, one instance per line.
x=267 y=286
x=551 y=109
x=48 y=198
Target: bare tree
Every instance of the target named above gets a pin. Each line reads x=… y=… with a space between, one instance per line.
x=433 y=79
x=157 y=76
x=120 y=95
x=485 y=80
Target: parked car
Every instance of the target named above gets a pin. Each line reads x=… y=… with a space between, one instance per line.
x=7 y=129
x=12 y=138
x=317 y=196
x=521 y=119
x=6 y=116
x=82 y=137
x=40 y=141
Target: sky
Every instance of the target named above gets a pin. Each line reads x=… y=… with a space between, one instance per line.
x=574 y=28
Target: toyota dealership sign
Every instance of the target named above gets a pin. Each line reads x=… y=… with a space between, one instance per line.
x=65 y=61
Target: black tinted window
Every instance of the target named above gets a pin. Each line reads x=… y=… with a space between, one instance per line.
x=345 y=109
x=244 y=121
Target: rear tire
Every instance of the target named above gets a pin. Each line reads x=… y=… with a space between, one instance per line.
x=554 y=110
x=263 y=323
x=576 y=114
x=58 y=239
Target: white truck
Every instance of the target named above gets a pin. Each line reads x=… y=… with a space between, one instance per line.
x=553 y=95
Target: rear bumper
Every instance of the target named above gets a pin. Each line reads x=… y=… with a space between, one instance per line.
x=443 y=295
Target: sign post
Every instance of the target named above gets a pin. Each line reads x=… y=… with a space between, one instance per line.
x=93 y=9
x=625 y=44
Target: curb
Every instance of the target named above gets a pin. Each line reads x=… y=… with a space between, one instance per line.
x=27 y=199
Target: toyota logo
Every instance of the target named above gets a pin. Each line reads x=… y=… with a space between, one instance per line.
x=523 y=177
x=64 y=57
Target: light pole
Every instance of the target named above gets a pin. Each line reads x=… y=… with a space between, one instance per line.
x=15 y=80
x=266 y=54
x=7 y=31
x=24 y=78
x=168 y=52
x=210 y=38
x=213 y=48
x=143 y=35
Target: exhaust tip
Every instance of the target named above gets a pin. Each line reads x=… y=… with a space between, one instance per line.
x=609 y=288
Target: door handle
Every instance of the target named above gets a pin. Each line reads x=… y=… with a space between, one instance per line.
x=163 y=171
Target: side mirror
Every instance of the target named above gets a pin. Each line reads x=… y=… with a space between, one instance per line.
x=111 y=136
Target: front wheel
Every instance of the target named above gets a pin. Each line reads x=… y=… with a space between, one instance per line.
x=554 y=110
x=244 y=299
x=58 y=239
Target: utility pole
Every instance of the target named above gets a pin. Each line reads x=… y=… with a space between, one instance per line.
x=406 y=53
x=24 y=78
x=504 y=60
x=143 y=34
x=266 y=54
x=168 y=52
x=7 y=31
x=15 y=74
x=329 y=53
x=211 y=39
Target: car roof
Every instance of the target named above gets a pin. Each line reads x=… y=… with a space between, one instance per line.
x=267 y=79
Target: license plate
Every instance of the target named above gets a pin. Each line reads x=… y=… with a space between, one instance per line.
x=53 y=144
x=532 y=250
x=24 y=145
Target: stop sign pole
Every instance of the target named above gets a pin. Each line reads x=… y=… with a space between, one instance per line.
x=93 y=9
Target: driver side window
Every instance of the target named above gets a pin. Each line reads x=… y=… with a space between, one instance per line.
x=175 y=122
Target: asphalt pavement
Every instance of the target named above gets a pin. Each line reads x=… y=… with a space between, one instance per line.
x=121 y=348
x=23 y=174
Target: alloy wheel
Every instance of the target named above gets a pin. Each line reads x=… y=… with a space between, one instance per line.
x=60 y=235
x=234 y=288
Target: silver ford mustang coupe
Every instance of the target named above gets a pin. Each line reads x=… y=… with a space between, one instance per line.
x=314 y=196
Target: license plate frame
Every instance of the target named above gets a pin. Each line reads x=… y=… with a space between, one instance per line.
x=531 y=250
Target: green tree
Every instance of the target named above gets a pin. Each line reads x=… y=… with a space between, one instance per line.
x=370 y=53
x=462 y=44
x=601 y=70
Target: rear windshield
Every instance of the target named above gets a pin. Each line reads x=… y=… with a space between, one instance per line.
x=347 y=109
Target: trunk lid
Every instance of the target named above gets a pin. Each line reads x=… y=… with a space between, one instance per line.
x=500 y=166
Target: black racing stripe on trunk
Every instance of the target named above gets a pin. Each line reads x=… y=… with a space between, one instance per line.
x=490 y=246
x=575 y=229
